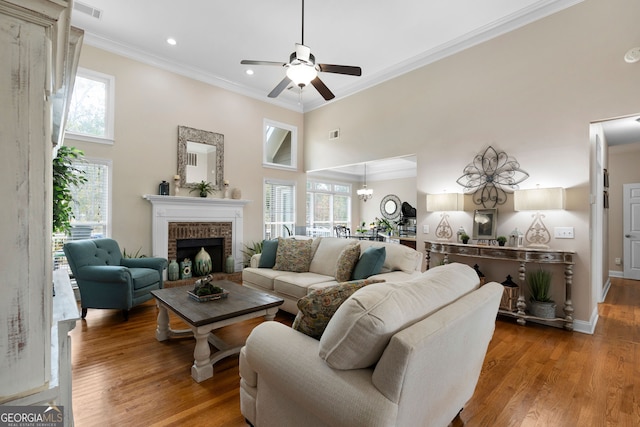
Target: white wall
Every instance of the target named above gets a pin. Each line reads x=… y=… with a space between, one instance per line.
x=532 y=93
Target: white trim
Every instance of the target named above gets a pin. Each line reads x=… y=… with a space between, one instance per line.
x=616 y=273
x=87 y=138
x=605 y=289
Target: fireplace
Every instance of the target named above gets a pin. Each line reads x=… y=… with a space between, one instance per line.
x=187 y=238
x=177 y=218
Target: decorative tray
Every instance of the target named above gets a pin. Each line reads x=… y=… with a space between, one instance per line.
x=211 y=297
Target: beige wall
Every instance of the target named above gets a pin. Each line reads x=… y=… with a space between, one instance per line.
x=531 y=92
x=150 y=104
x=404 y=188
x=624 y=168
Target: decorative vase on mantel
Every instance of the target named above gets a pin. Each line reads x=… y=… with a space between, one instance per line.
x=202 y=263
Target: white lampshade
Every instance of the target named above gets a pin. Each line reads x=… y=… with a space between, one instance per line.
x=302 y=74
x=538 y=199
x=445 y=202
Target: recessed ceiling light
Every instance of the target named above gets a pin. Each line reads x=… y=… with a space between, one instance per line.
x=249 y=72
x=632 y=55
x=172 y=41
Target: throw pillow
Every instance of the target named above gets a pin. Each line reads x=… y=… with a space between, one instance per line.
x=347 y=261
x=293 y=255
x=268 y=256
x=370 y=262
x=316 y=309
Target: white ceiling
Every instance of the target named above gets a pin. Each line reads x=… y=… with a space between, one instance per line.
x=384 y=38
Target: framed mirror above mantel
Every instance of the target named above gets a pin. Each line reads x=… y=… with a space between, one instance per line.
x=280 y=145
x=200 y=157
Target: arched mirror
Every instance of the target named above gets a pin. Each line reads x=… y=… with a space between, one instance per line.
x=200 y=157
x=280 y=148
x=390 y=206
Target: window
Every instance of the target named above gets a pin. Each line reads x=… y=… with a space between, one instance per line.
x=279 y=208
x=91 y=110
x=328 y=205
x=92 y=201
x=91 y=207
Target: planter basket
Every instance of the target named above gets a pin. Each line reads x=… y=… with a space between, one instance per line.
x=509 y=299
x=545 y=310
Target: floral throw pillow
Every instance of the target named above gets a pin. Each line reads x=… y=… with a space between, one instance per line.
x=317 y=308
x=347 y=261
x=293 y=255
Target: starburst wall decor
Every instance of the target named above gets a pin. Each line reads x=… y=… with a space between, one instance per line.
x=490 y=176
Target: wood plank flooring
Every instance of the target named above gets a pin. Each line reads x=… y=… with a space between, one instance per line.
x=532 y=376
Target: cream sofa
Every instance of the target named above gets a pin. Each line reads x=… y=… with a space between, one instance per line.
x=401 y=263
x=393 y=354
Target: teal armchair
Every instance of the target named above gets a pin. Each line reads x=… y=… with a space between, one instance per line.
x=107 y=280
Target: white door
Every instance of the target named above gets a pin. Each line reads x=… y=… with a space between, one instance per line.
x=631 y=229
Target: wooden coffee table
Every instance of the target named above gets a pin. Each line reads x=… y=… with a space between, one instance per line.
x=241 y=304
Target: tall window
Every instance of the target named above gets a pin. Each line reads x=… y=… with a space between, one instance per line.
x=91 y=206
x=91 y=110
x=279 y=208
x=328 y=205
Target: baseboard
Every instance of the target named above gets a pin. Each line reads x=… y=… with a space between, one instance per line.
x=605 y=289
x=587 y=327
x=616 y=273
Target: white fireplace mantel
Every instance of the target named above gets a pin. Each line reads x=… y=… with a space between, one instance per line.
x=166 y=209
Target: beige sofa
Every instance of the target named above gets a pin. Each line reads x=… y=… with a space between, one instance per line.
x=393 y=354
x=401 y=263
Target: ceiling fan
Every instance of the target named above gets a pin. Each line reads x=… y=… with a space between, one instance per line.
x=302 y=69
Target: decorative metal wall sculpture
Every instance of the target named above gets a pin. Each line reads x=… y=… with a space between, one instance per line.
x=490 y=176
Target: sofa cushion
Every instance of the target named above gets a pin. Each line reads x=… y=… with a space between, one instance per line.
x=260 y=277
x=268 y=255
x=370 y=262
x=347 y=261
x=399 y=257
x=317 y=308
x=361 y=328
x=296 y=284
x=293 y=255
x=326 y=256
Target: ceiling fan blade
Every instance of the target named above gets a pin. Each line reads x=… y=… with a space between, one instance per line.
x=303 y=52
x=340 y=69
x=278 y=89
x=249 y=62
x=323 y=89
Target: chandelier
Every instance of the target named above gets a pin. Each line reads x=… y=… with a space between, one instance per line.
x=365 y=193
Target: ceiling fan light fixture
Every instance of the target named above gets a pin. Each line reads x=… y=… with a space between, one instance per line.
x=301 y=74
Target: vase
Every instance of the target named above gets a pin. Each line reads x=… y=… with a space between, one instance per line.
x=173 y=271
x=185 y=268
x=230 y=265
x=202 y=265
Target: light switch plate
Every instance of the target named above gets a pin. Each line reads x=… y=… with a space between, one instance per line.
x=563 y=233
x=425 y=229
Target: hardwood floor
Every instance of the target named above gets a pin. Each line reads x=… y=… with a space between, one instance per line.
x=532 y=376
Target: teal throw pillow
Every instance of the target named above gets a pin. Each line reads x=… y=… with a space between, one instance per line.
x=268 y=256
x=370 y=262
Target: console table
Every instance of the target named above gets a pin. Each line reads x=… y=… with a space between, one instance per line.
x=522 y=256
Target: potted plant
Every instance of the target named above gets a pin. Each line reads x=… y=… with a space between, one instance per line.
x=501 y=240
x=465 y=238
x=541 y=303
x=65 y=176
x=203 y=187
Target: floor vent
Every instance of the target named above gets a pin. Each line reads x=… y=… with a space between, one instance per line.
x=88 y=10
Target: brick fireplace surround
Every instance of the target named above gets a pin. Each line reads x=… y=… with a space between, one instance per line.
x=175 y=217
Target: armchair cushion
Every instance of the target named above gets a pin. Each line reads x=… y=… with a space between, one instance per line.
x=143 y=277
x=317 y=308
x=361 y=328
